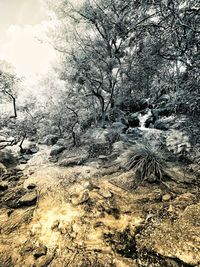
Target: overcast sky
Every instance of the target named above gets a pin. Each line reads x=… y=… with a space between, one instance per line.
x=21 y=21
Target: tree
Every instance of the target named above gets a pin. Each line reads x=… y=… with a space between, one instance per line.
x=114 y=50
x=8 y=82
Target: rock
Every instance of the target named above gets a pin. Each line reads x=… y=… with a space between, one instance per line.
x=40 y=251
x=96 y=135
x=164 y=98
x=80 y=199
x=49 y=140
x=70 y=162
x=2 y=169
x=63 y=142
x=119 y=127
x=105 y=193
x=34 y=150
x=26 y=157
x=103 y=158
x=3 y=186
x=134 y=133
x=178 y=239
x=166 y=197
x=28 y=199
x=162 y=112
x=149 y=122
x=23 y=161
x=7 y=158
x=30 y=148
x=161 y=125
x=56 y=150
x=171 y=263
x=44 y=261
x=13 y=196
x=178 y=142
x=97 y=149
x=6 y=260
x=133 y=121
x=31 y=186
x=151 y=178
x=186 y=197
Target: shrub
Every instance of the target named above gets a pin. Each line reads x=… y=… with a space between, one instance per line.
x=146 y=162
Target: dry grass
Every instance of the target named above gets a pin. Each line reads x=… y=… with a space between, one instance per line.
x=146 y=161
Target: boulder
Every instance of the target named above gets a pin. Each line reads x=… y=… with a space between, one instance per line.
x=7 y=158
x=133 y=121
x=80 y=199
x=28 y=199
x=63 y=142
x=150 y=121
x=167 y=111
x=97 y=149
x=12 y=197
x=41 y=250
x=30 y=148
x=161 y=125
x=31 y=186
x=49 y=140
x=72 y=161
x=95 y=135
x=3 y=186
x=163 y=99
x=119 y=127
x=134 y=133
x=166 y=197
x=105 y=193
x=56 y=150
x=2 y=169
x=178 y=239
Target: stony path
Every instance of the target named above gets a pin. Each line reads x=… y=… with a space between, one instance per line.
x=79 y=217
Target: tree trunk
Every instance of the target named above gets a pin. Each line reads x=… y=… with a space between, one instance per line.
x=14 y=105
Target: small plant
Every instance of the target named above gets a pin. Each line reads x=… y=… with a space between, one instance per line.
x=147 y=162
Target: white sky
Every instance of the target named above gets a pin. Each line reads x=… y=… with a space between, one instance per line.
x=22 y=24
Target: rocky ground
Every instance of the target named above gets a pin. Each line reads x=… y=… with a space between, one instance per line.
x=94 y=215
x=82 y=207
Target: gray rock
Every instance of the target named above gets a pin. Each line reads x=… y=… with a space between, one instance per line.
x=133 y=121
x=63 y=142
x=164 y=98
x=7 y=158
x=80 y=199
x=166 y=197
x=119 y=126
x=56 y=150
x=30 y=148
x=167 y=111
x=34 y=150
x=70 y=162
x=97 y=149
x=161 y=125
x=134 y=132
x=45 y=260
x=31 y=186
x=28 y=199
x=105 y=193
x=3 y=186
x=41 y=250
x=49 y=140
x=13 y=196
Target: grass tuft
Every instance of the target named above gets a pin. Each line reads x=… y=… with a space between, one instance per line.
x=147 y=162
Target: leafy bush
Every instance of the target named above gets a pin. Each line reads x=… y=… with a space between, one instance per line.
x=147 y=162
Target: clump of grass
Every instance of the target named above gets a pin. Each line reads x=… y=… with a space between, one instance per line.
x=147 y=162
